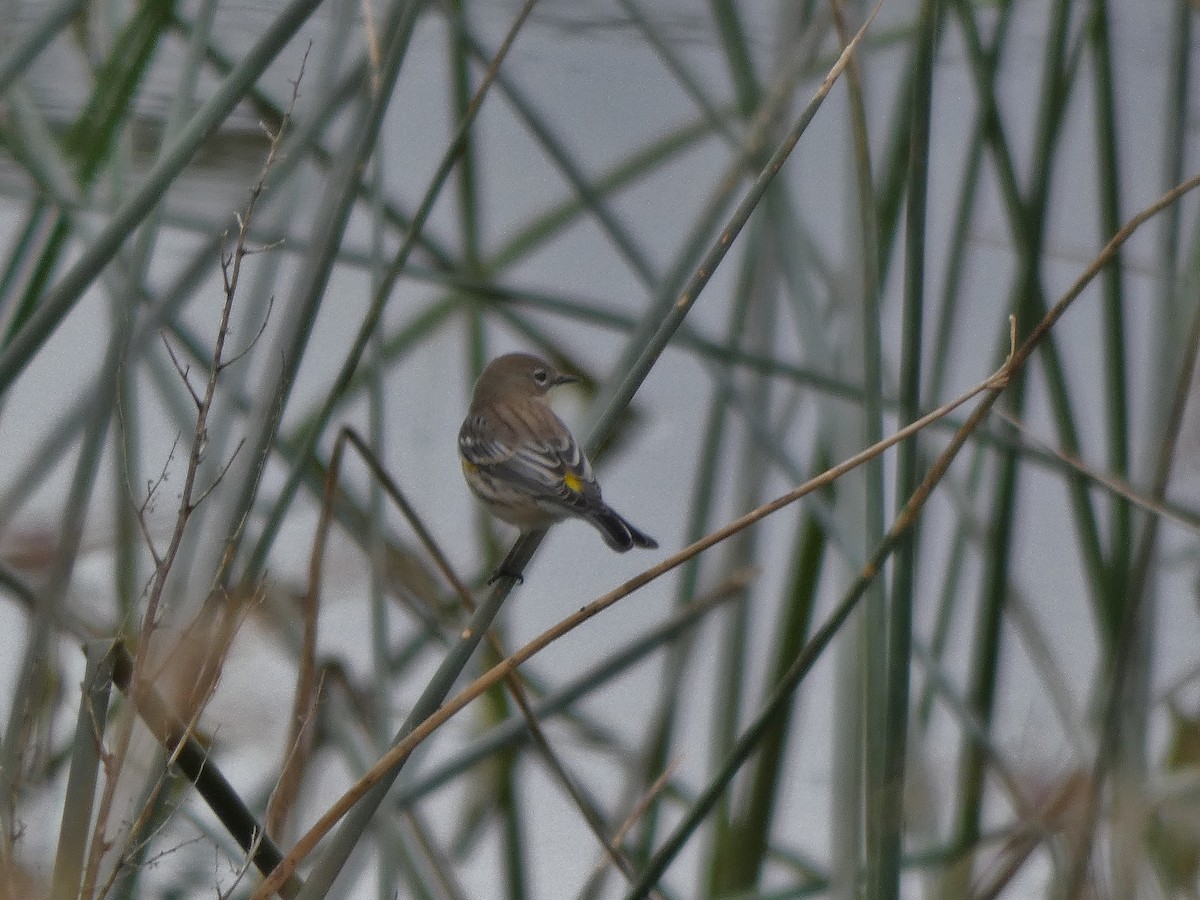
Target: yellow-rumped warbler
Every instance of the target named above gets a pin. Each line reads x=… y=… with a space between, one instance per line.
x=522 y=462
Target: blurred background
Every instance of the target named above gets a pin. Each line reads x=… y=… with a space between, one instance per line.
x=1011 y=709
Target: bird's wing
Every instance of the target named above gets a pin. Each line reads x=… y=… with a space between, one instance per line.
x=480 y=444
x=554 y=469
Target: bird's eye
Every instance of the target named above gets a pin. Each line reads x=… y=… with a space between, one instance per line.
x=540 y=376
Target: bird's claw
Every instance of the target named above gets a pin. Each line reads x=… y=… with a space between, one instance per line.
x=500 y=573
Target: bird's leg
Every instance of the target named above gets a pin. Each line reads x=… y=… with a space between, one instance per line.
x=510 y=567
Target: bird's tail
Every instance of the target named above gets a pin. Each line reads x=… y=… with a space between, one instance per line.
x=618 y=533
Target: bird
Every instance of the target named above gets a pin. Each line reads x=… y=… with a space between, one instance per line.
x=522 y=462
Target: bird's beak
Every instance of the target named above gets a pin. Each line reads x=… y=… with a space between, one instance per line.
x=565 y=379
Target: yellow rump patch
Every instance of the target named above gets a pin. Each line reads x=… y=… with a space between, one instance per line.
x=573 y=482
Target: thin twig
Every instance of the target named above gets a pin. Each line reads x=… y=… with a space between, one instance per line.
x=189 y=499
x=636 y=815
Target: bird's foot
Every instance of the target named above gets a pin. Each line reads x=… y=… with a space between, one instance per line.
x=503 y=573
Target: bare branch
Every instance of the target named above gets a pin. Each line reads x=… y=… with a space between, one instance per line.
x=261 y=329
x=182 y=370
x=220 y=475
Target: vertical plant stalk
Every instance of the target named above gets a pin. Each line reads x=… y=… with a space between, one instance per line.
x=861 y=665
x=85 y=766
x=1126 y=580
x=887 y=793
x=756 y=289
x=298 y=746
x=1028 y=219
x=1116 y=349
x=505 y=772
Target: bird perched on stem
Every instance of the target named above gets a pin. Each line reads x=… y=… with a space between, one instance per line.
x=520 y=460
